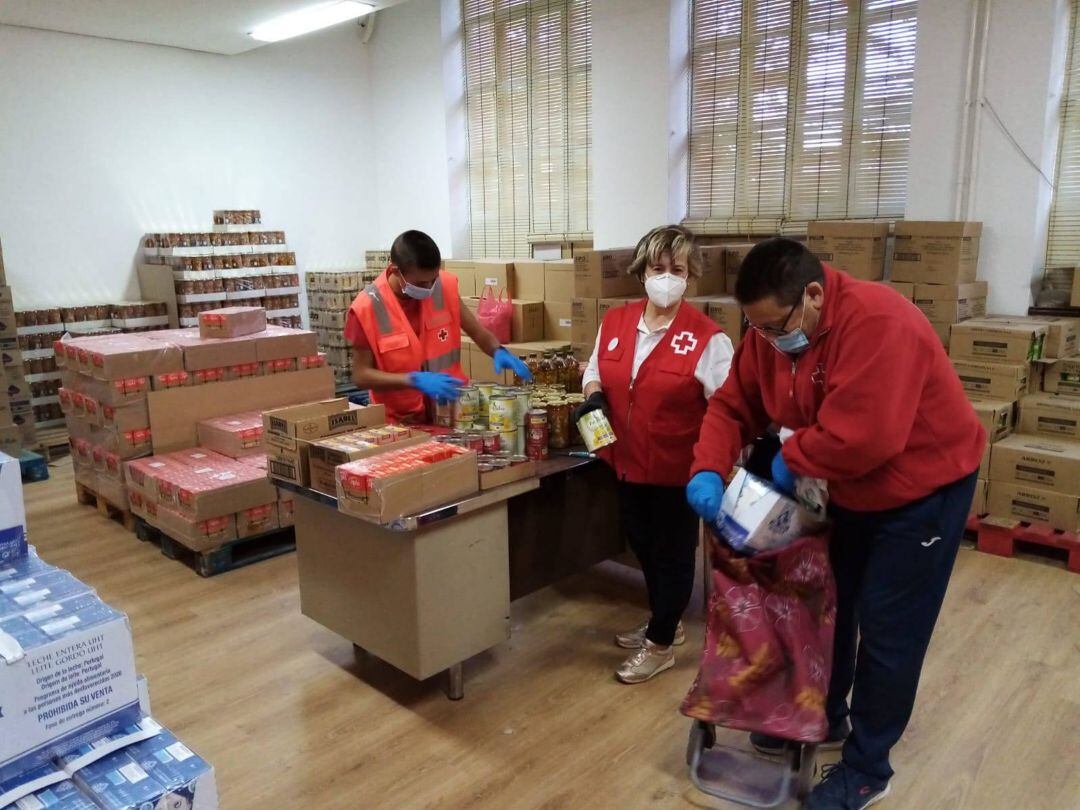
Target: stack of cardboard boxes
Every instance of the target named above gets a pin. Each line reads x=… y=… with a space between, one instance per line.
x=110 y=379
x=330 y=294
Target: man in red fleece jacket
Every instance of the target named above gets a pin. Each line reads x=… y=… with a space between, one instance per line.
x=878 y=412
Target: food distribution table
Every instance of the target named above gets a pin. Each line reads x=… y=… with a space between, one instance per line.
x=428 y=591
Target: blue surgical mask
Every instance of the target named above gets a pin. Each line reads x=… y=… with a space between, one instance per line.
x=414 y=292
x=794 y=342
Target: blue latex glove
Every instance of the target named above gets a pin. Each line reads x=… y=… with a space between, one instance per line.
x=506 y=360
x=436 y=385
x=704 y=492
x=783 y=478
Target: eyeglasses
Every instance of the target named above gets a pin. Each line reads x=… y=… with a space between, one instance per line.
x=774 y=332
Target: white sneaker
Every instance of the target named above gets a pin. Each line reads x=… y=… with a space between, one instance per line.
x=648 y=662
x=633 y=639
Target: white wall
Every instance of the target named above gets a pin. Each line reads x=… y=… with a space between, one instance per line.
x=102 y=141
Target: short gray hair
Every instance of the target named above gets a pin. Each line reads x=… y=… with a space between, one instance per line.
x=675 y=240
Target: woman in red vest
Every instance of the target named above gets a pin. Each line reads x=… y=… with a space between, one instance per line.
x=655 y=364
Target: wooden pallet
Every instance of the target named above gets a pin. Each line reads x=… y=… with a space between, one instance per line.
x=52 y=444
x=1001 y=536
x=105 y=507
x=227 y=557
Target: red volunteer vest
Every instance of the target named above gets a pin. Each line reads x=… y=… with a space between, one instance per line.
x=399 y=350
x=656 y=421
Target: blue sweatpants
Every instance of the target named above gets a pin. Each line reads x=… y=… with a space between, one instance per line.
x=892 y=568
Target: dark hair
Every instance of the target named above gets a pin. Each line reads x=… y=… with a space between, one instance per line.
x=415 y=250
x=780 y=268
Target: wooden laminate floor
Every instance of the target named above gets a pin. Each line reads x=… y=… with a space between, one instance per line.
x=291 y=719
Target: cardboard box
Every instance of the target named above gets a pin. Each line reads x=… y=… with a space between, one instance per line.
x=558 y=321
x=604 y=304
x=197 y=534
x=123 y=356
x=1037 y=461
x=998 y=341
x=528 y=280
x=231 y=322
x=126 y=418
x=984 y=465
x=857 y=248
x=142 y=474
x=728 y=314
x=326 y=455
x=951 y=303
x=978 y=503
x=734 y=254
x=289 y=430
x=68 y=685
x=1062 y=337
x=905 y=288
x=11 y=441
x=507 y=475
x=944 y=332
x=414 y=491
x=1032 y=504
x=602 y=274
x=280 y=343
x=257 y=520
x=498 y=275
x=560 y=281
x=466 y=275
x=936 y=252
x=8 y=327
x=18 y=389
x=1063 y=377
x=1050 y=415
x=219 y=489
x=528 y=322
x=234 y=436
x=585 y=322
x=997 y=416
x=714 y=273
x=982 y=380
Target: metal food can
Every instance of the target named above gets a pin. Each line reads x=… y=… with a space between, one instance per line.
x=536 y=434
x=522 y=398
x=485 y=390
x=508 y=442
x=475 y=441
x=596 y=431
x=467 y=406
x=502 y=416
x=491 y=441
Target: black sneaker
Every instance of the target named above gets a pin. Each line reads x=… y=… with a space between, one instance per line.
x=844 y=788
x=775 y=746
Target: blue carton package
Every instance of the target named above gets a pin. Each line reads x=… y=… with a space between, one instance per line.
x=12 y=510
x=21 y=595
x=172 y=764
x=71 y=682
x=23 y=567
x=117 y=782
x=61 y=796
x=29 y=782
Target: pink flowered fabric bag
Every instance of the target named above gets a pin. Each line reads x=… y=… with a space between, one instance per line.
x=768 y=641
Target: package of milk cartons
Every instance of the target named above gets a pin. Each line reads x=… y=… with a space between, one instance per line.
x=755 y=517
x=67 y=671
x=12 y=510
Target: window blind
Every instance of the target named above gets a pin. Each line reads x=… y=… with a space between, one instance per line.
x=1063 y=242
x=799 y=111
x=528 y=95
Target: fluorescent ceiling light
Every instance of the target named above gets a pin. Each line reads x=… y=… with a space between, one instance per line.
x=310 y=19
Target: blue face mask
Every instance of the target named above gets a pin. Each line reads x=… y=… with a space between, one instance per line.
x=414 y=292
x=794 y=342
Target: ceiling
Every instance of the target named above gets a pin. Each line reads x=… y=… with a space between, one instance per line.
x=215 y=26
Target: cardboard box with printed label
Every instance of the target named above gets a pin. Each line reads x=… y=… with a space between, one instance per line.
x=936 y=252
x=905 y=288
x=712 y=281
x=410 y=492
x=231 y=322
x=280 y=343
x=234 y=436
x=326 y=455
x=197 y=534
x=951 y=303
x=1063 y=377
x=558 y=321
x=528 y=280
x=207 y=492
x=465 y=272
x=1037 y=461
x=1050 y=415
x=560 y=281
x=944 y=332
x=257 y=520
x=604 y=304
x=997 y=416
x=997 y=341
x=585 y=324
x=499 y=275
x=984 y=465
x=734 y=254
x=857 y=248
x=981 y=380
x=288 y=431
x=728 y=314
x=978 y=503
x=1062 y=339
x=124 y=356
x=1027 y=503
x=602 y=274
x=125 y=418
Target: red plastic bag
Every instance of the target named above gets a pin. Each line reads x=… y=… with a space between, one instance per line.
x=496 y=313
x=768 y=641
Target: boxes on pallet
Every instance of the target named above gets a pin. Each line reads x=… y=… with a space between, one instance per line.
x=195 y=534
x=231 y=322
x=326 y=455
x=1050 y=415
x=996 y=416
x=288 y=431
x=935 y=252
x=1037 y=461
x=602 y=274
x=1027 y=503
x=69 y=679
x=257 y=520
x=1063 y=377
x=951 y=303
x=857 y=248
x=1001 y=381
x=998 y=340
x=234 y=436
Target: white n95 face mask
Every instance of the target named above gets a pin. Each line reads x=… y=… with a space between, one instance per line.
x=665 y=289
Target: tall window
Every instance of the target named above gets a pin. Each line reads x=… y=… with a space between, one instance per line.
x=528 y=91
x=800 y=110
x=1063 y=244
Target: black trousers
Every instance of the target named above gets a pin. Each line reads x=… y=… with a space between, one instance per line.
x=662 y=531
x=892 y=569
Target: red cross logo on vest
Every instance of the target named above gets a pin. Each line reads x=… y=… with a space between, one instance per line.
x=443 y=335
x=684 y=343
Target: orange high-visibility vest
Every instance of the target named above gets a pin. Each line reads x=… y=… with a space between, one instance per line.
x=399 y=350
